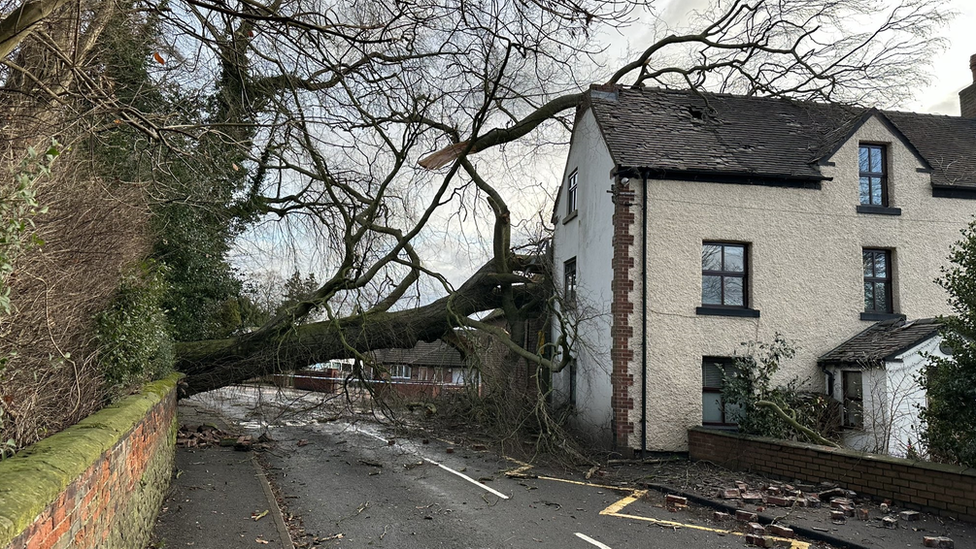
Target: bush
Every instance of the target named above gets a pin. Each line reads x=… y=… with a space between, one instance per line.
x=133 y=334
x=749 y=390
x=949 y=419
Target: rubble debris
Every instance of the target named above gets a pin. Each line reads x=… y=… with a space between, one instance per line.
x=750 y=496
x=832 y=493
x=940 y=542
x=781 y=531
x=742 y=515
x=719 y=516
x=863 y=513
x=673 y=500
x=243 y=443
x=756 y=528
x=729 y=493
x=781 y=501
x=909 y=516
x=889 y=522
x=838 y=517
x=837 y=503
x=200 y=436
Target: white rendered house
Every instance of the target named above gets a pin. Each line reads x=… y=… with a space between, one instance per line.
x=689 y=223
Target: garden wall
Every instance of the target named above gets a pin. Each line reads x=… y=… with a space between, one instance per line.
x=946 y=490
x=99 y=483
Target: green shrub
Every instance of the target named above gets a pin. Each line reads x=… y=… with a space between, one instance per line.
x=133 y=334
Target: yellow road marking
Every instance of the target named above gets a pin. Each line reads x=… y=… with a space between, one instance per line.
x=614 y=510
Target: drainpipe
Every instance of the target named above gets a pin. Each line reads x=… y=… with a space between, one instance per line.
x=643 y=270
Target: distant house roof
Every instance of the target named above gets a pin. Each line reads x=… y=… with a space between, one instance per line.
x=437 y=354
x=882 y=341
x=675 y=132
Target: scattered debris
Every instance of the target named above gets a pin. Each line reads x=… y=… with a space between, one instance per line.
x=889 y=522
x=909 y=516
x=940 y=542
x=255 y=516
x=302 y=442
x=243 y=443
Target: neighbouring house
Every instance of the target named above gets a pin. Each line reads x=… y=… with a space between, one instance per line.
x=424 y=370
x=875 y=375
x=689 y=223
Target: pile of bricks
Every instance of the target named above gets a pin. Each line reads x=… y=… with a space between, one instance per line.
x=841 y=505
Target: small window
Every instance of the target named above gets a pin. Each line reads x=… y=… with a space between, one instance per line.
x=853 y=400
x=400 y=371
x=569 y=281
x=723 y=274
x=714 y=410
x=571 y=203
x=873 y=175
x=877 y=281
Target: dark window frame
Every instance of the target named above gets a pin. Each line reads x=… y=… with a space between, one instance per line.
x=879 y=178
x=572 y=192
x=875 y=281
x=725 y=363
x=853 y=405
x=723 y=274
x=570 y=281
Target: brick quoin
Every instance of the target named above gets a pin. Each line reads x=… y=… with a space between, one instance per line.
x=621 y=308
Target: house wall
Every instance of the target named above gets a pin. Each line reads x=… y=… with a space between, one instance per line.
x=805 y=272
x=588 y=237
x=892 y=401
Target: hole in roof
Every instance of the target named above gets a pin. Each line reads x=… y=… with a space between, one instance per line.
x=696 y=113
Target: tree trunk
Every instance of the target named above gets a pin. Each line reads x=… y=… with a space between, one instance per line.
x=217 y=363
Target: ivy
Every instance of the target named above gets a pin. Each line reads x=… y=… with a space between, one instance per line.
x=133 y=333
x=18 y=207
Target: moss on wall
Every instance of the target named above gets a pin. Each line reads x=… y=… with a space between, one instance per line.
x=38 y=476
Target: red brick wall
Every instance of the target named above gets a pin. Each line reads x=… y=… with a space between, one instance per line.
x=113 y=503
x=621 y=309
x=946 y=490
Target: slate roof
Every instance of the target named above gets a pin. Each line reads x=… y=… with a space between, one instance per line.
x=437 y=354
x=882 y=341
x=688 y=131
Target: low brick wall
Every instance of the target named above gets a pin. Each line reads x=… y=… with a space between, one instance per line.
x=99 y=483
x=937 y=488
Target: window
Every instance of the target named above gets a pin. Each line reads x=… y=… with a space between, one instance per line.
x=400 y=371
x=853 y=400
x=723 y=274
x=571 y=193
x=877 y=281
x=569 y=281
x=714 y=411
x=873 y=175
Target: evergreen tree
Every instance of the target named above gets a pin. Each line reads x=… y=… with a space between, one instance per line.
x=950 y=383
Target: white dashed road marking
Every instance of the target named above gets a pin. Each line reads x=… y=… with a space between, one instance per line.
x=588 y=539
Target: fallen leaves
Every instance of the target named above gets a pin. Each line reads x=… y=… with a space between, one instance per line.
x=255 y=516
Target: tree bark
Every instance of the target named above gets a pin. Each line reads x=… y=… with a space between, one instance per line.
x=216 y=363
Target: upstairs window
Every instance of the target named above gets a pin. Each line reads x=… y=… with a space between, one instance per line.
x=873 y=175
x=400 y=371
x=723 y=274
x=569 y=281
x=877 y=281
x=571 y=203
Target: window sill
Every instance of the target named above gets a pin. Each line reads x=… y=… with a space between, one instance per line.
x=882 y=316
x=571 y=217
x=727 y=311
x=878 y=210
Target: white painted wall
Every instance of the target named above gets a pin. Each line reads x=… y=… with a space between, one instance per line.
x=588 y=236
x=892 y=402
x=804 y=262
x=806 y=274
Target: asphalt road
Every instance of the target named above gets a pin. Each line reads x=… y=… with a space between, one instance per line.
x=356 y=487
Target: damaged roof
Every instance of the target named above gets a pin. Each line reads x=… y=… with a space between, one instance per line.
x=438 y=354
x=882 y=341
x=693 y=132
